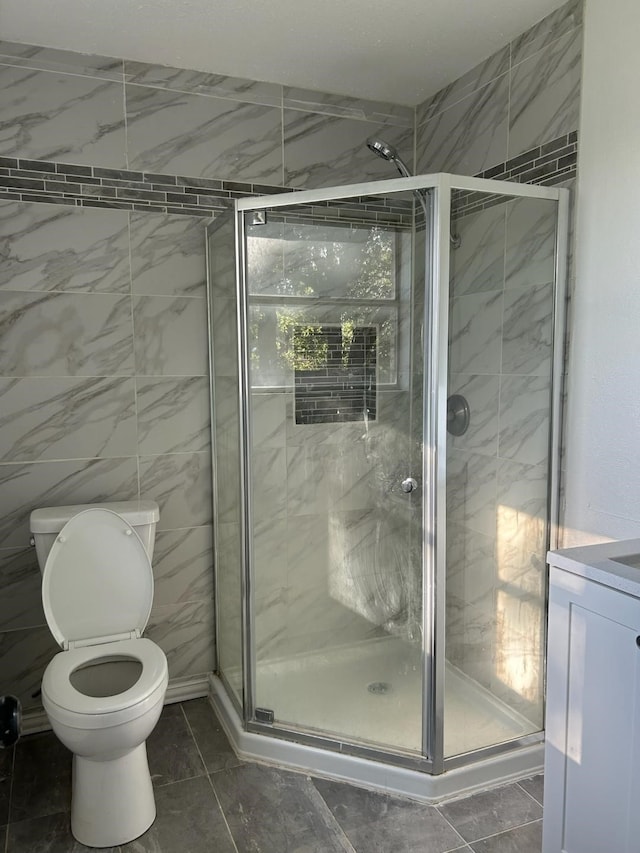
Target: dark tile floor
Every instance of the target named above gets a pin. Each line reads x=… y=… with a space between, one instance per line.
x=210 y=802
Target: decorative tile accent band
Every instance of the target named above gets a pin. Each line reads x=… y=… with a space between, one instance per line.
x=547 y=165
x=92 y=186
x=49 y=182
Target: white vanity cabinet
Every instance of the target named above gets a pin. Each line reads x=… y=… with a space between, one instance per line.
x=592 y=751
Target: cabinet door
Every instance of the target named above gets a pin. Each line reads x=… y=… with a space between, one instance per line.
x=592 y=795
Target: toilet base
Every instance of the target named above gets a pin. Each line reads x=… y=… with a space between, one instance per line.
x=112 y=802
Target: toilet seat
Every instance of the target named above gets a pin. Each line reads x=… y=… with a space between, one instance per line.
x=97 y=591
x=97 y=583
x=78 y=710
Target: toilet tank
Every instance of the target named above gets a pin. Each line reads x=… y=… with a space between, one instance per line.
x=46 y=523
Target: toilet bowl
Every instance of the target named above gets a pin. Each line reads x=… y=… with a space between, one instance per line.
x=104 y=692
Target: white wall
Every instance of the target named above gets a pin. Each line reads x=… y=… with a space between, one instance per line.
x=603 y=419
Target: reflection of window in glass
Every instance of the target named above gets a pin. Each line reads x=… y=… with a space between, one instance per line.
x=318 y=275
x=321 y=261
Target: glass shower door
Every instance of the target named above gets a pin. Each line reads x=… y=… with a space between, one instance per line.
x=333 y=327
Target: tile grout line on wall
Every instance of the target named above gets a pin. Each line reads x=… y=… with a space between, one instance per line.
x=511 y=66
x=124 y=115
x=133 y=344
x=501 y=374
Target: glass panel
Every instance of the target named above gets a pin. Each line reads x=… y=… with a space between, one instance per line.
x=279 y=329
x=319 y=260
x=500 y=362
x=336 y=426
x=227 y=495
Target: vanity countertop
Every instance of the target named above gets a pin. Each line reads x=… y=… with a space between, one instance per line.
x=613 y=564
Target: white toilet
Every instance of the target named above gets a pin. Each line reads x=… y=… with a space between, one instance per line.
x=104 y=692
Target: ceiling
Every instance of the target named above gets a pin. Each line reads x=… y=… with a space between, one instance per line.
x=393 y=50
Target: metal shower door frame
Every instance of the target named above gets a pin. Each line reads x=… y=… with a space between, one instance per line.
x=439 y=187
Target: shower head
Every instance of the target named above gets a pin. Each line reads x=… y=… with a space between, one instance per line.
x=381 y=148
x=389 y=153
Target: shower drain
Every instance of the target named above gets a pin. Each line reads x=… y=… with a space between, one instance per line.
x=379 y=688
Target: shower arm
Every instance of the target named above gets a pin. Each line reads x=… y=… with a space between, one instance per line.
x=389 y=153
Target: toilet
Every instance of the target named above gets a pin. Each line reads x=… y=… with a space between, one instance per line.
x=104 y=692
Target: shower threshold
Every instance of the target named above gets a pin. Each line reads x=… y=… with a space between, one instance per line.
x=329 y=693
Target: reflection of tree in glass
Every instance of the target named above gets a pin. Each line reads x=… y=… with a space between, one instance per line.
x=304 y=346
x=256 y=319
x=340 y=263
x=376 y=279
x=347 y=329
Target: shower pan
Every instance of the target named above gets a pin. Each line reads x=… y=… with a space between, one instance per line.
x=380 y=581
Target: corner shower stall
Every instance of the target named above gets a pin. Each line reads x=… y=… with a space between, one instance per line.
x=386 y=439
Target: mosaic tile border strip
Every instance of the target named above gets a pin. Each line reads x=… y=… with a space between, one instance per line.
x=49 y=182
x=91 y=186
x=546 y=165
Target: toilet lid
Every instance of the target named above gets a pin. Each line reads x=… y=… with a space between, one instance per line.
x=97 y=581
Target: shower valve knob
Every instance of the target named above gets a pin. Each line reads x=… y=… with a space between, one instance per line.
x=409 y=485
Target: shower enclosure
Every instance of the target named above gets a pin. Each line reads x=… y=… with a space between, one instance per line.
x=386 y=441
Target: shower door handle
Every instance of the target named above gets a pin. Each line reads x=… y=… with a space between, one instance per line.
x=409 y=485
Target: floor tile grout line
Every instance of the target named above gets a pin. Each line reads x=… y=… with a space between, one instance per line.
x=224 y=817
x=195 y=742
x=529 y=794
x=208 y=777
x=349 y=848
x=30 y=818
x=320 y=805
x=438 y=809
x=325 y=807
x=503 y=831
x=157 y=787
x=466 y=845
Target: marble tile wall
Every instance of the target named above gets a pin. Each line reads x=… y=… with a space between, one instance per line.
x=101 y=397
x=513 y=117
x=105 y=395
x=103 y=353
x=500 y=361
x=526 y=95
x=102 y=112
